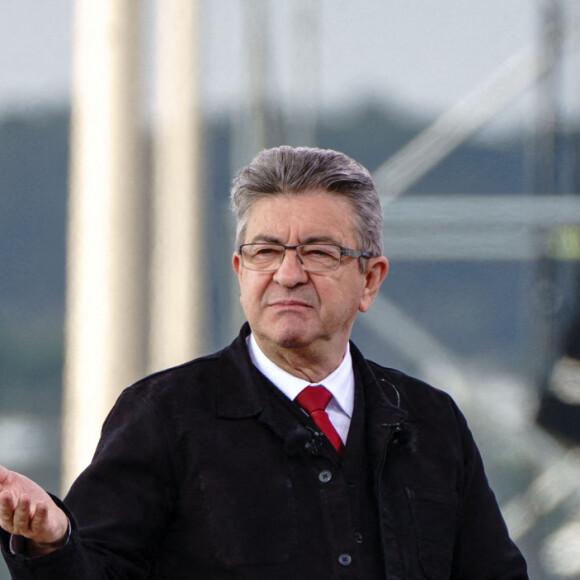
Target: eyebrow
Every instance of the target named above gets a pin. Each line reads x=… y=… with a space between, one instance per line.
x=313 y=239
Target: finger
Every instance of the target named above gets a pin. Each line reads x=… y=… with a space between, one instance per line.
x=6 y=499
x=3 y=474
x=6 y=510
x=45 y=528
x=39 y=519
x=21 y=518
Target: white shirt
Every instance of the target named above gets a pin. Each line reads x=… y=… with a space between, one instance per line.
x=340 y=383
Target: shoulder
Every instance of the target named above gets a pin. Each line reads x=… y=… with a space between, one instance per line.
x=433 y=420
x=196 y=376
x=413 y=394
x=401 y=389
x=169 y=395
x=179 y=378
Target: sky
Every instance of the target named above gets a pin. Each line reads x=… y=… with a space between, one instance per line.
x=421 y=55
x=425 y=53
x=35 y=52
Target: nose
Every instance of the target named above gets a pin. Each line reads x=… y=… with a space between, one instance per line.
x=290 y=273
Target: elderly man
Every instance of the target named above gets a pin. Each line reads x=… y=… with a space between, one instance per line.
x=286 y=455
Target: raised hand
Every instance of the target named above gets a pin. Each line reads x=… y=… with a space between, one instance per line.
x=27 y=510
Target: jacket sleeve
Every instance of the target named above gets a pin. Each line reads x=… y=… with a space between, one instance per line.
x=483 y=548
x=118 y=507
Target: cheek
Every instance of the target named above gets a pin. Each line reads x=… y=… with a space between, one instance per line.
x=348 y=298
x=337 y=296
x=243 y=292
x=245 y=301
x=252 y=289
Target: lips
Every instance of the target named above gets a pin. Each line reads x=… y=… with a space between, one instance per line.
x=290 y=304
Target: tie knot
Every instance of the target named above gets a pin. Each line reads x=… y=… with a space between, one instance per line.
x=314 y=398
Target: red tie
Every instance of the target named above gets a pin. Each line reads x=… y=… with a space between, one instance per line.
x=313 y=400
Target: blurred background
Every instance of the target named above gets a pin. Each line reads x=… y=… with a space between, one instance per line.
x=123 y=123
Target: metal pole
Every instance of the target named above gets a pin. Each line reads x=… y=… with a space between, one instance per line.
x=251 y=123
x=177 y=304
x=543 y=345
x=300 y=126
x=104 y=349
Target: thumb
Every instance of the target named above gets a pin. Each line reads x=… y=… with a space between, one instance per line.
x=3 y=474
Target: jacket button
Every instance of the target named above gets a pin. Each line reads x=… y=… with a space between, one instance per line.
x=358 y=538
x=325 y=476
x=345 y=560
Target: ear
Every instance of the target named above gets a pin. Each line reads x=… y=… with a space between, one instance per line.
x=237 y=263
x=374 y=275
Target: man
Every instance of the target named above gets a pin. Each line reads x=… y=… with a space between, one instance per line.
x=286 y=455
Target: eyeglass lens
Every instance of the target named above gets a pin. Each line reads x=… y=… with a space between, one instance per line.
x=313 y=257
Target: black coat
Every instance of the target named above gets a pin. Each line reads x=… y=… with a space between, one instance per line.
x=206 y=471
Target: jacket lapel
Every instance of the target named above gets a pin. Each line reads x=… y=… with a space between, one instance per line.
x=237 y=393
x=243 y=392
x=383 y=416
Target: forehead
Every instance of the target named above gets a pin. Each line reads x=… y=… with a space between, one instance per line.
x=307 y=216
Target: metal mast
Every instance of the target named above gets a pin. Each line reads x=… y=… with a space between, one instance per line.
x=177 y=304
x=104 y=348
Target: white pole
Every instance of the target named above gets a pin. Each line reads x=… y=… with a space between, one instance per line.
x=250 y=127
x=104 y=334
x=176 y=332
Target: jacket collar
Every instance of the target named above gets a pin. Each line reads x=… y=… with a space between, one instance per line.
x=382 y=398
x=244 y=392
x=240 y=396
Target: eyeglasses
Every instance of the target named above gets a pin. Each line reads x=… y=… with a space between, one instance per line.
x=264 y=257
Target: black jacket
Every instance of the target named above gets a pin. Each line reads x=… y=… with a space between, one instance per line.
x=206 y=471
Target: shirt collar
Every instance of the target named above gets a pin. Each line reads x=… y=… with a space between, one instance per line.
x=340 y=382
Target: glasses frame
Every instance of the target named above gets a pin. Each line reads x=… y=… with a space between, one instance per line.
x=343 y=252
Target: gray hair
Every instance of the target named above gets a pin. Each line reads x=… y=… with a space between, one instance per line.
x=293 y=171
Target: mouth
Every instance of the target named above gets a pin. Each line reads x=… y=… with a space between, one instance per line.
x=289 y=304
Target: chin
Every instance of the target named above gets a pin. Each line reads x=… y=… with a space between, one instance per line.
x=291 y=340
x=292 y=337
x=297 y=342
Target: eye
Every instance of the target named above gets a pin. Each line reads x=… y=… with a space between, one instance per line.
x=321 y=251
x=264 y=251
x=267 y=250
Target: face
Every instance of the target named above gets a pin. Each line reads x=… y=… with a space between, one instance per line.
x=294 y=309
